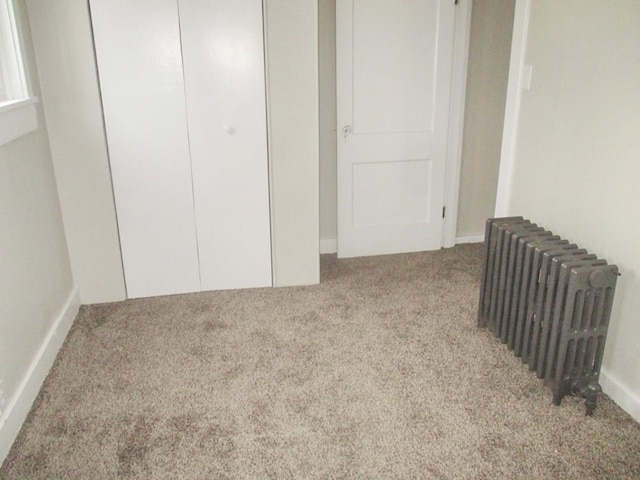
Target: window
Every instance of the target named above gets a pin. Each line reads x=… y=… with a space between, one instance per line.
x=17 y=108
x=12 y=80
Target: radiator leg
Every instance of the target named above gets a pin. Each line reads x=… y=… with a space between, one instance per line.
x=588 y=391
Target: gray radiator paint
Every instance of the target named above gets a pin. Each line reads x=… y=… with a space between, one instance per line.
x=550 y=302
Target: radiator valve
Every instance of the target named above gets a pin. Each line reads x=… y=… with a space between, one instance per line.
x=589 y=391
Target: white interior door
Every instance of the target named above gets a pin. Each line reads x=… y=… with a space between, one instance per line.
x=394 y=62
x=140 y=67
x=223 y=54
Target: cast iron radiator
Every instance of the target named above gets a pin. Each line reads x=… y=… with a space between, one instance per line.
x=550 y=302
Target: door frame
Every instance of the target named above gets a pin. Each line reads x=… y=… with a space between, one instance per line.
x=462 y=31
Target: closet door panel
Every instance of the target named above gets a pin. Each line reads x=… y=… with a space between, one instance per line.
x=223 y=55
x=141 y=78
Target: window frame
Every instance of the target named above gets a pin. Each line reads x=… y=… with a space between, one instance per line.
x=18 y=114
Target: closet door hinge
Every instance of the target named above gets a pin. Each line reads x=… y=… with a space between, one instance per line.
x=444 y=211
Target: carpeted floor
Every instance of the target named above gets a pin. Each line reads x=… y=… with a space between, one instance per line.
x=378 y=372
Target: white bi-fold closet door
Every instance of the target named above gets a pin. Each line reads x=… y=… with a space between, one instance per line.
x=183 y=92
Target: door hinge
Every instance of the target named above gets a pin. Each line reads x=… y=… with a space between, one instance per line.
x=444 y=210
x=455 y=2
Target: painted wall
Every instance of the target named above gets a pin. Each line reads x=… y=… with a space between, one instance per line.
x=487 y=74
x=577 y=163
x=71 y=98
x=328 y=120
x=292 y=71
x=36 y=285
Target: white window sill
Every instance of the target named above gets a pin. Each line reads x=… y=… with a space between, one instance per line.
x=17 y=118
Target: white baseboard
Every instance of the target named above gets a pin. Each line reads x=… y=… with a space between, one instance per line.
x=470 y=239
x=627 y=400
x=328 y=245
x=18 y=406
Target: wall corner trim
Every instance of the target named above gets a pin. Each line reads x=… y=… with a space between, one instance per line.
x=18 y=406
x=512 y=107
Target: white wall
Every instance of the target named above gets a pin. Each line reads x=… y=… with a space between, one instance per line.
x=292 y=72
x=577 y=164
x=487 y=72
x=37 y=294
x=71 y=98
x=328 y=121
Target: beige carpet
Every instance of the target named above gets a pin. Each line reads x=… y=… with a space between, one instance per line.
x=379 y=372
